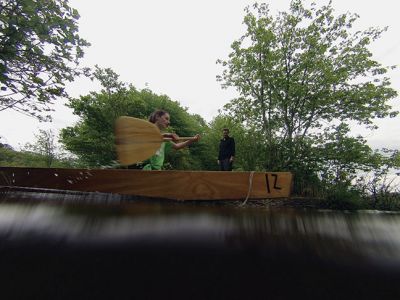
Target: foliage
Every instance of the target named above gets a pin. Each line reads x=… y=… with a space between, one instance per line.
x=12 y=158
x=344 y=156
x=40 y=50
x=341 y=196
x=380 y=186
x=302 y=77
x=249 y=144
x=92 y=138
x=45 y=146
x=386 y=201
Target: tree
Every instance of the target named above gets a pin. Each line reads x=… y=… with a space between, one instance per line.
x=45 y=145
x=300 y=76
x=40 y=50
x=92 y=138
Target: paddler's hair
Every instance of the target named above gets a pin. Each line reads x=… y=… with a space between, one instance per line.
x=157 y=114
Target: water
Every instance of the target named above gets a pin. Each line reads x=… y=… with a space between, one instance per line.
x=118 y=248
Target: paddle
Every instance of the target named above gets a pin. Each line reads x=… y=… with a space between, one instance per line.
x=137 y=139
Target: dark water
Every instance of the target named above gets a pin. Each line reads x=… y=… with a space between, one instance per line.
x=118 y=248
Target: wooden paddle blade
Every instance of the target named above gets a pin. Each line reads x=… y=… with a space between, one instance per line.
x=136 y=139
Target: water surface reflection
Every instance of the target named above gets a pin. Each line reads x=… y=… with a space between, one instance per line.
x=309 y=252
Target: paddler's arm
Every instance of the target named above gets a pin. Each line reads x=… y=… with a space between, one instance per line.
x=172 y=136
x=184 y=144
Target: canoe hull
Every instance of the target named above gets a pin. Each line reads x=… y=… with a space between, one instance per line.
x=177 y=185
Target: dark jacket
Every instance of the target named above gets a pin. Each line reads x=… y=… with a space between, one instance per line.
x=226 y=148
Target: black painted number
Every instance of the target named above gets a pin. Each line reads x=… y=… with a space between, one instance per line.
x=271 y=180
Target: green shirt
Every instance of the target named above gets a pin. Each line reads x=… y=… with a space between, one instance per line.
x=157 y=160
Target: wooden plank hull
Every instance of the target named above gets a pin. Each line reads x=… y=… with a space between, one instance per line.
x=177 y=185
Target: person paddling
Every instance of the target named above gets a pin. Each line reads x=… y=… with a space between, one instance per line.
x=161 y=119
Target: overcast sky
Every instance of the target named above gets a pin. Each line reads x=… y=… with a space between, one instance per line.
x=172 y=46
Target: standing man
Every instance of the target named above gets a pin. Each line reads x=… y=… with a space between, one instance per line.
x=226 y=153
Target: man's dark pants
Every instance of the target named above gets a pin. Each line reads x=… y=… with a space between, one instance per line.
x=225 y=165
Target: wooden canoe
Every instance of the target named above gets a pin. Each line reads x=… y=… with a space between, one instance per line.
x=176 y=185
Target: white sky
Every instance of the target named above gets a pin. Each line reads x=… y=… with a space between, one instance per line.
x=172 y=46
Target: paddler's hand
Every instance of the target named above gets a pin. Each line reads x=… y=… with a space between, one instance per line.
x=172 y=136
x=196 y=138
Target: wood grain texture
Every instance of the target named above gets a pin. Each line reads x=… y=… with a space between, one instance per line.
x=135 y=139
x=177 y=185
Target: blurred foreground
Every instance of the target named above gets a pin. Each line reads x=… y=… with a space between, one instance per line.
x=120 y=248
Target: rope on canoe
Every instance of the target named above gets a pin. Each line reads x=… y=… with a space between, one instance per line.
x=250 y=188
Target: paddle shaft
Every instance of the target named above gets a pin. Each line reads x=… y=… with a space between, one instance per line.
x=186 y=138
x=137 y=139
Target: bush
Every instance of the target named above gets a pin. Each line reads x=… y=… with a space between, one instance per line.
x=345 y=197
x=386 y=201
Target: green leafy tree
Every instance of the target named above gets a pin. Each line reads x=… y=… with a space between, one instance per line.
x=40 y=51
x=45 y=145
x=344 y=156
x=92 y=138
x=300 y=77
